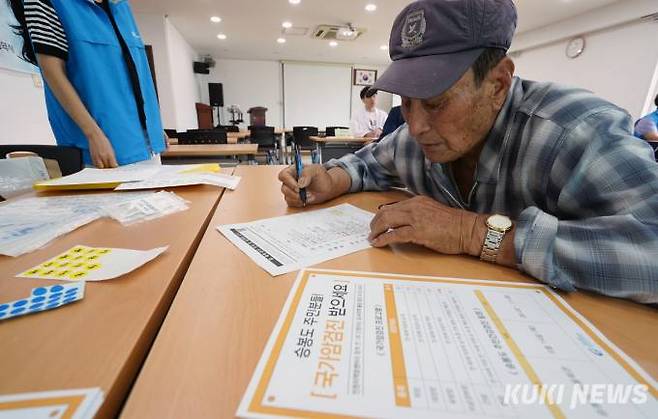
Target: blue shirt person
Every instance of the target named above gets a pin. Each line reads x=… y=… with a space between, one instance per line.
x=646 y=127
x=99 y=90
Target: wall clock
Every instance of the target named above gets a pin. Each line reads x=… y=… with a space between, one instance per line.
x=575 y=47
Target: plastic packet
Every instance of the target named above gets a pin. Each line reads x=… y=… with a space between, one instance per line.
x=150 y=207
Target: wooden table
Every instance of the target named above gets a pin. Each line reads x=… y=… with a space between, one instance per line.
x=102 y=340
x=231 y=138
x=210 y=150
x=226 y=308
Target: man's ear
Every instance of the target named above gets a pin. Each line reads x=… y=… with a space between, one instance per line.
x=500 y=79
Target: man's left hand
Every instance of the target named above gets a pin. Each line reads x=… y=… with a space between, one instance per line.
x=429 y=223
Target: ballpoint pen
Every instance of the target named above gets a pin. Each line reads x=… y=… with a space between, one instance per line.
x=298 y=168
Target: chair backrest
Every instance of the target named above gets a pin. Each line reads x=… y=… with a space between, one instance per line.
x=211 y=136
x=331 y=131
x=228 y=128
x=301 y=134
x=68 y=158
x=263 y=136
x=171 y=133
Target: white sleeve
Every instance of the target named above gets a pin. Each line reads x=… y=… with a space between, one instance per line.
x=381 y=118
x=359 y=125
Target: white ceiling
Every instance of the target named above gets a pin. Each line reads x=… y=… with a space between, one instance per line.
x=252 y=26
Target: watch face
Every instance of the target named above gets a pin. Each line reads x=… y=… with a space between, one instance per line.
x=499 y=222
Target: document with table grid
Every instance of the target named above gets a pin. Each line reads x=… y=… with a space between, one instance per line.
x=291 y=242
x=357 y=344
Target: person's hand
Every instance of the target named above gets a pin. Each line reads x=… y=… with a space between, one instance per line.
x=315 y=178
x=375 y=133
x=422 y=220
x=102 y=153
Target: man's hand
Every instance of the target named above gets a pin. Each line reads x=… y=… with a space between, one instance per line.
x=375 y=133
x=102 y=153
x=424 y=221
x=321 y=185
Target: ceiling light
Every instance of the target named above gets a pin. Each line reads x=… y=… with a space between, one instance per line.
x=221 y=36
x=383 y=47
x=215 y=19
x=294 y=1
x=371 y=7
x=281 y=40
x=286 y=24
x=333 y=44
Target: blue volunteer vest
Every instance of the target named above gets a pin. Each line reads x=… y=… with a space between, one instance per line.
x=97 y=70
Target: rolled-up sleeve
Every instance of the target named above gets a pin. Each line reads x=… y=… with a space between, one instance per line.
x=604 y=234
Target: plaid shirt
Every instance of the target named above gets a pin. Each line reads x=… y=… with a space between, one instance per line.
x=564 y=165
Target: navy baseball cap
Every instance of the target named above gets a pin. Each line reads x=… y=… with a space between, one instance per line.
x=434 y=42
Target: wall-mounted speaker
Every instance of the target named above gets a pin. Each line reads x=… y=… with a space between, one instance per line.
x=216 y=94
x=201 y=68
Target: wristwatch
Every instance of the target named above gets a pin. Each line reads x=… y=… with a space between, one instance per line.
x=497 y=226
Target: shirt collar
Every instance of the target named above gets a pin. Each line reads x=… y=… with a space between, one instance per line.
x=497 y=140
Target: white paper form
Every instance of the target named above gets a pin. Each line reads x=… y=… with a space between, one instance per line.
x=392 y=346
x=73 y=404
x=284 y=244
x=30 y=223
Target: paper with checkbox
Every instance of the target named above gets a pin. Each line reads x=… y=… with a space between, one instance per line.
x=83 y=263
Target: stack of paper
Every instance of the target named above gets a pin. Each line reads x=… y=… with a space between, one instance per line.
x=90 y=178
x=30 y=223
x=143 y=176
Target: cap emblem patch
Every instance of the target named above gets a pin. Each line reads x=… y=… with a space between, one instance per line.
x=413 y=29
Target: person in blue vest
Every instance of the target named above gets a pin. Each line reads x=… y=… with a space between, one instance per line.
x=646 y=128
x=99 y=90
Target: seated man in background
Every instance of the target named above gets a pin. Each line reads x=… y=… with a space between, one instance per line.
x=99 y=90
x=525 y=174
x=368 y=121
x=646 y=127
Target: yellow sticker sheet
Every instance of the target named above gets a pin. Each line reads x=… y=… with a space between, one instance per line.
x=84 y=263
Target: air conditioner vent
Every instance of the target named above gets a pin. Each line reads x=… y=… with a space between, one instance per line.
x=337 y=32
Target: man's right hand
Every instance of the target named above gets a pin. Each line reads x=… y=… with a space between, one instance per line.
x=321 y=185
x=102 y=153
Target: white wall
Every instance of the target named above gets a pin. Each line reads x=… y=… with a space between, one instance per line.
x=23 y=116
x=384 y=100
x=185 y=88
x=259 y=83
x=248 y=84
x=152 y=29
x=619 y=60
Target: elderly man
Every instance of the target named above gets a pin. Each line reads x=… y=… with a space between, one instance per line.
x=525 y=174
